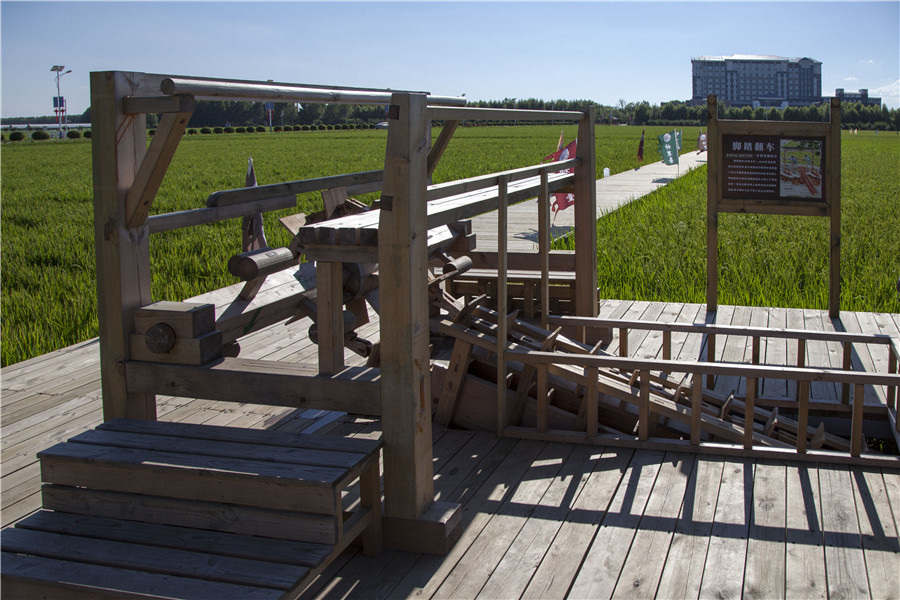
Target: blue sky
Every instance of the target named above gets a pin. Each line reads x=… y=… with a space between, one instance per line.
x=601 y=51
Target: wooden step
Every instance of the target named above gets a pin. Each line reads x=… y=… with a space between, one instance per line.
x=154 y=509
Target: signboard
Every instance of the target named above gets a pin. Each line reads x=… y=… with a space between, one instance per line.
x=778 y=168
x=767 y=167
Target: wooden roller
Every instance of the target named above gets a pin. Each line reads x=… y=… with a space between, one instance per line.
x=260 y=263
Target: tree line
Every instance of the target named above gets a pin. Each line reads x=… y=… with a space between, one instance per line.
x=210 y=113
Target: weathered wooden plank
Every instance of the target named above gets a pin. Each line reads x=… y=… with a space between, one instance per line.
x=600 y=569
x=563 y=558
x=642 y=571
x=207 y=564
x=484 y=554
x=290 y=525
x=723 y=573
x=845 y=565
x=683 y=571
x=805 y=554
x=214 y=479
x=765 y=575
x=31 y=577
x=878 y=531
x=484 y=494
x=513 y=573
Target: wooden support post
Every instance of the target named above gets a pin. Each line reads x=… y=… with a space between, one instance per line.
x=848 y=366
x=502 y=303
x=456 y=376
x=586 y=301
x=405 y=368
x=623 y=342
x=330 y=316
x=713 y=172
x=710 y=358
x=123 y=253
x=891 y=392
x=832 y=182
x=856 y=425
x=696 y=409
x=543 y=399
x=590 y=397
x=749 y=401
x=667 y=345
x=544 y=245
x=802 y=414
x=644 y=408
x=801 y=359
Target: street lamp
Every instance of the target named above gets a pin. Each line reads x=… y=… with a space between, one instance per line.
x=60 y=103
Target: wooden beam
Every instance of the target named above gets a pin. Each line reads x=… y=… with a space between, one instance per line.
x=330 y=320
x=403 y=260
x=832 y=184
x=123 y=254
x=157 y=104
x=713 y=193
x=272 y=383
x=586 y=300
x=437 y=151
x=154 y=166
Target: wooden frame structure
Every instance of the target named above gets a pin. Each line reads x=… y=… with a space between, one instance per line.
x=752 y=191
x=186 y=342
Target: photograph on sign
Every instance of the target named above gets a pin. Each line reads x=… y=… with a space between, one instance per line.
x=801 y=168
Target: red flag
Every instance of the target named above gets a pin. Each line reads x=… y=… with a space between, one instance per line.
x=640 y=154
x=559 y=147
x=563 y=201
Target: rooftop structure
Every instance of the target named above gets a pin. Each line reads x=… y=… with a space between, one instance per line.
x=757 y=80
x=862 y=97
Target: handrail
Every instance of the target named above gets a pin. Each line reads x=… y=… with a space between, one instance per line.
x=461 y=186
x=816 y=374
x=821 y=336
x=471 y=113
x=251 y=90
x=289 y=188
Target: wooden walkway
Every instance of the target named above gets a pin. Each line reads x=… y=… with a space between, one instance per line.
x=612 y=192
x=550 y=520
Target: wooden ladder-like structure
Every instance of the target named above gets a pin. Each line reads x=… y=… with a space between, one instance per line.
x=154 y=509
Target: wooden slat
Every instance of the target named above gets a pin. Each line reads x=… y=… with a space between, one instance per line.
x=844 y=561
x=683 y=572
x=725 y=558
x=247 y=520
x=643 y=567
x=765 y=575
x=235 y=481
x=171 y=561
x=600 y=570
x=30 y=577
x=805 y=555
x=166 y=536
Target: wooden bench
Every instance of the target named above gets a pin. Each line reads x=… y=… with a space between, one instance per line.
x=155 y=509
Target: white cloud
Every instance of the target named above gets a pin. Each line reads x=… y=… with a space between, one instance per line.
x=868 y=61
x=849 y=78
x=889 y=94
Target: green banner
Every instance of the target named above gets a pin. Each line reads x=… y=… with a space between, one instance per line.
x=669 y=145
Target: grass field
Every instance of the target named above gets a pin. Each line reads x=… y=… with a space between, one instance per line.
x=47 y=255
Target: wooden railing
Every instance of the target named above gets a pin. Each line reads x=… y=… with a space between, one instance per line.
x=642 y=374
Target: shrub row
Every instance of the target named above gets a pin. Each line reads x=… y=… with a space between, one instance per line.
x=276 y=128
x=41 y=134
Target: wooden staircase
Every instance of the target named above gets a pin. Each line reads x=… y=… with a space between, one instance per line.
x=173 y=510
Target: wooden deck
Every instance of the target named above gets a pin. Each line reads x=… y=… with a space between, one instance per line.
x=551 y=520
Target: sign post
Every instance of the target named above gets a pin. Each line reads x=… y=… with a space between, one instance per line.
x=767 y=167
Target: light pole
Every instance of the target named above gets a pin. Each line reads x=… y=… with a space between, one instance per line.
x=60 y=103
